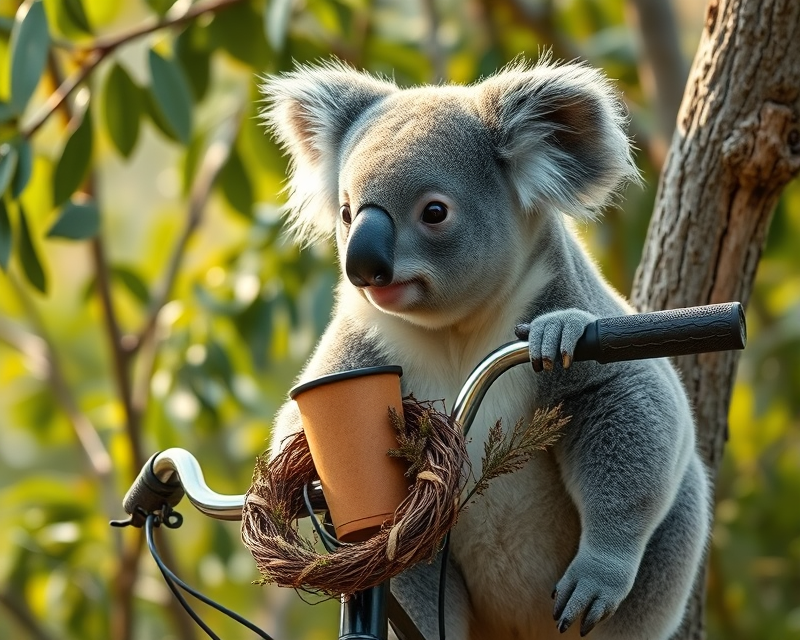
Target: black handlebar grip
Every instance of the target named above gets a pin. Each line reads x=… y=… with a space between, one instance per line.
x=148 y=494
x=678 y=332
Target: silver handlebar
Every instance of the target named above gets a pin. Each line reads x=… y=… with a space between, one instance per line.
x=179 y=462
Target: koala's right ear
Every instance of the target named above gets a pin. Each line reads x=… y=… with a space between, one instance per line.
x=309 y=111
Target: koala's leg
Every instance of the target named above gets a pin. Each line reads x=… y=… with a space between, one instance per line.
x=417 y=591
x=654 y=608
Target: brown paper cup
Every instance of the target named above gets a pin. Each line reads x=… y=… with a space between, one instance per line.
x=346 y=420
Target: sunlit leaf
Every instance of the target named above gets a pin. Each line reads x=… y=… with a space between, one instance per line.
x=276 y=22
x=22 y=175
x=30 y=41
x=172 y=95
x=8 y=165
x=122 y=109
x=6 y=238
x=236 y=185
x=31 y=265
x=77 y=221
x=73 y=165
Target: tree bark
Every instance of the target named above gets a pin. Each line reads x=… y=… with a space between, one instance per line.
x=736 y=146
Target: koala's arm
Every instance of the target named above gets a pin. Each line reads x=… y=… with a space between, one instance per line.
x=623 y=457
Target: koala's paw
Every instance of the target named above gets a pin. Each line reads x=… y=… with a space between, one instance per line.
x=552 y=337
x=591 y=590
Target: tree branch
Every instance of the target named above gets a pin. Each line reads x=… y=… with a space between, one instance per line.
x=39 y=349
x=213 y=161
x=101 y=48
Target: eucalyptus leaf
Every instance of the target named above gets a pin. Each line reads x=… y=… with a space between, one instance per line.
x=31 y=265
x=6 y=236
x=77 y=221
x=122 y=108
x=172 y=95
x=8 y=165
x=30 y=42
x=24 y=168
x=240 y=31
x=195 y=59
x=156 y=117
x=132 y=282
x=73 y=165
x=160 y=6
x=7 y=112
x=236 y=185
x=68 y=17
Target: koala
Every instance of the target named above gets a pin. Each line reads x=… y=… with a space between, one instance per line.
x=452 y=209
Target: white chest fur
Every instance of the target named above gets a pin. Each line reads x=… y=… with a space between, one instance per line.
x=515 y=541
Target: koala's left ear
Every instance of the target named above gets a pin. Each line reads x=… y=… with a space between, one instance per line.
x=559 y=132
x=310 y=111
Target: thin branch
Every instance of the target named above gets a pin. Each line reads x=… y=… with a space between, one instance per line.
x=22 y=614
x=39 y=349
x=100 y=49
x=213 y=161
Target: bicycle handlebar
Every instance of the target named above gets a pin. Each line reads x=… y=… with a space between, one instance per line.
x=169 y=474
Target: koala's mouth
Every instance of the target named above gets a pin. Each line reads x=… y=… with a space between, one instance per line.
x=395 y=296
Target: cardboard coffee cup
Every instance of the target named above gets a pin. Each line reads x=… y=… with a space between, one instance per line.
x=346 y=420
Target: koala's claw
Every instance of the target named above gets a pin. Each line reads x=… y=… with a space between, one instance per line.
x=552 y=337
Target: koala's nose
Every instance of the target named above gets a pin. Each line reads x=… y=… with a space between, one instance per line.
x=369 y=259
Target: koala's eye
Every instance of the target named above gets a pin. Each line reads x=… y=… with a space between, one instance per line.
x=434 y=213
x=344 y=212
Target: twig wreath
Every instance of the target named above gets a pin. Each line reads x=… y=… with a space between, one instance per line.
x=439 y=469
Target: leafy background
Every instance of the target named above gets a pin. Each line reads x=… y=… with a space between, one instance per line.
x=148 y=299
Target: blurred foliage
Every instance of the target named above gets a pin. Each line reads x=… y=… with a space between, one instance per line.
x=143 y=213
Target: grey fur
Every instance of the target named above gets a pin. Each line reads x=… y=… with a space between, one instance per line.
x=616 y=514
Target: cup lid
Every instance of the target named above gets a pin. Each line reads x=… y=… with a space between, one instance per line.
x=343 y=375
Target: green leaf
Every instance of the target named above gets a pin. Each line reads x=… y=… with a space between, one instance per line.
x=7 y=112
x=240 y=31
x=73 y=166
x=31 y=265
x=30 y=42
x=68 y=17
x=172 y=95
x=78 y=221
x=24 y=168
x=6 y=237
x=276 y=22
x=8 y=165
x=123 y=109
x=236 y=185
x=195 y=59
x=132 y=282
x=156 y=117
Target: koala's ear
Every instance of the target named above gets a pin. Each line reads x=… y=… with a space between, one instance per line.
x=309 y=111
x=559 y=132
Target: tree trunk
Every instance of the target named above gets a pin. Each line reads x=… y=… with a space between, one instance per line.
x=736 y=146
